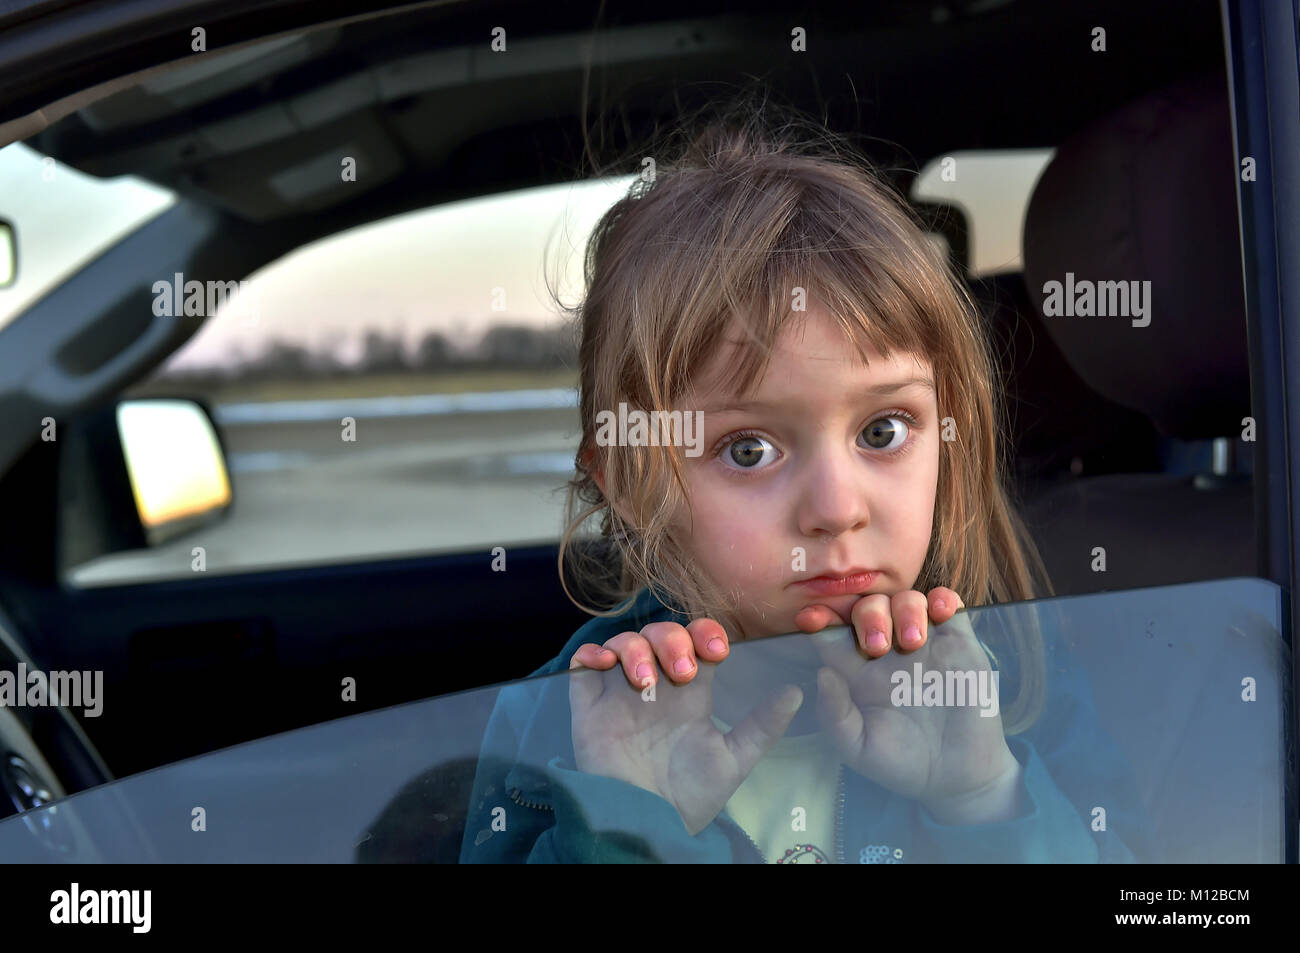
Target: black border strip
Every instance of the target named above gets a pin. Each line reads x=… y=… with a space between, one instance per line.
x=1261 y=41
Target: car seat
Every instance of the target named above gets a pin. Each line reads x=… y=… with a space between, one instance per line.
x=1148 y=194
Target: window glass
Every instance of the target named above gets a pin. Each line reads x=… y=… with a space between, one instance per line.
x=1162 y=737
x=63 y=218
x=992 y=188
x=404 y=387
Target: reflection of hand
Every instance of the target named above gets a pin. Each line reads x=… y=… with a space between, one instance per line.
x=661 y=737
x=952 y=759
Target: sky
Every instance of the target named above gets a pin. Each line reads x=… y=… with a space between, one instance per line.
x=435 y=269
x=63 y=218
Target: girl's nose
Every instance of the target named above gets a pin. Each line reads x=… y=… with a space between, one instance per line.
x=833 y=497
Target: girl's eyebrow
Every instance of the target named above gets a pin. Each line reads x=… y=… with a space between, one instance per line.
x=886 y=389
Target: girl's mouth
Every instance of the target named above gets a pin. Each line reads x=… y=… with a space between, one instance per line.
x=839 y=585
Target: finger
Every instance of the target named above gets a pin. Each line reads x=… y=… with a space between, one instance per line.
x=839 y=717
x=910 y=625
x=637 y=656
x=710 y=639
x=591 y=655
x=944 y=604
x=673 y=648
x=843 y=653
x=763 y=727
x=873 y=624
x=585 y=686
x=812 y=619
x=958 y=626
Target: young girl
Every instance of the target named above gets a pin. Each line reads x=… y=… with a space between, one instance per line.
x=846 y=472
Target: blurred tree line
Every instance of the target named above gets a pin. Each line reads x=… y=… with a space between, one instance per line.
x=503 y=347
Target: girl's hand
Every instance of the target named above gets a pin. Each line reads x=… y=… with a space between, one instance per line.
x=953 y=760
x=659 y=735
x=880 y=621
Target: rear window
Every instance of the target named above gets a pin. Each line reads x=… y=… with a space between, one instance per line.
x=991 y=188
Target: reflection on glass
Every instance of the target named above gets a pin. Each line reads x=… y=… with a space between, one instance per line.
x=174 y=461
x=1162 y=736
x=1144 y=726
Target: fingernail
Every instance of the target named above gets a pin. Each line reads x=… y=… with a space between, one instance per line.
x=682 y=666
x=643 y=671
x=911 y=635
x=940 y=603
x=717 y=645
x=876 y=641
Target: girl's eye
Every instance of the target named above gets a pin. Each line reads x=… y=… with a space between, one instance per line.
x=748 y=452
x=887 y=433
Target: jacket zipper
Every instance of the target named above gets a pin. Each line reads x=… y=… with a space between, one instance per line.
x=761 y=858
x=839 y=817
x=839 y=823
x=517 y=796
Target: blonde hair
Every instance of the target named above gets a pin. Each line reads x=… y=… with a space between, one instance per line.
x=719 y=238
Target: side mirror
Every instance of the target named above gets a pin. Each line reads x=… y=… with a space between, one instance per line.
x=8 y=254
x=175 y=464
x=137 y=474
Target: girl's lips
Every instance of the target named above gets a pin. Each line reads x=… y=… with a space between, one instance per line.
x=839 y=585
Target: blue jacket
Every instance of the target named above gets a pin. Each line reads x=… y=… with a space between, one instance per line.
x=528 y=784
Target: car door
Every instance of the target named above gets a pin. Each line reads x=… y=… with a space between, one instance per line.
x=306 y=634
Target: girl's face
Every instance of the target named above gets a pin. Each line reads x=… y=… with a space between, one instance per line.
x=829 y=469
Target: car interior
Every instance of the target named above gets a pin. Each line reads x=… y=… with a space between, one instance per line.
x=1128 y=442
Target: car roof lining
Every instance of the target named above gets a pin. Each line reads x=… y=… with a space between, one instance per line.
x=526 y=130
x=375 y=87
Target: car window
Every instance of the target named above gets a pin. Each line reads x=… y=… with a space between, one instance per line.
x=404 y=387
x=1162 y=736
x=992 y=189
x=432 y=332
x=63 y=218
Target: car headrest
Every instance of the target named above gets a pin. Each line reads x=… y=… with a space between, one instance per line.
x=1148 y=194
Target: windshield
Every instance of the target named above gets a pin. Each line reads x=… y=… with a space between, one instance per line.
x=1160 y=737
x=63 y=218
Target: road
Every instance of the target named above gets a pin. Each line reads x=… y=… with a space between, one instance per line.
x=419 y=482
